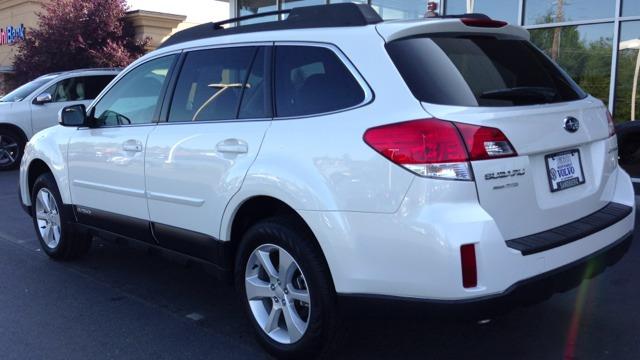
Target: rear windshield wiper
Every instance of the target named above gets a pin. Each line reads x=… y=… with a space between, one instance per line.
x=521 y=93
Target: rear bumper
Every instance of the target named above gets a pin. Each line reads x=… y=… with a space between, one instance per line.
x=525 y=292
x=415 y=253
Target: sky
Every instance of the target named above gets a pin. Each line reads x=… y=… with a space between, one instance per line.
x=197 y=11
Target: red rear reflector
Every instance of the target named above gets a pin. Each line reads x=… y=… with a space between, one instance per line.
x=469 y=266
x=487 y=23
x=485 y=142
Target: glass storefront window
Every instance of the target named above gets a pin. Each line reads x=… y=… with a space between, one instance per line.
x=506 y=10
x=250 y=7
x=630 y=7
x=289 y=4
x=583 y=51
x=628 y=79
x=553 y=11
x=400 y=9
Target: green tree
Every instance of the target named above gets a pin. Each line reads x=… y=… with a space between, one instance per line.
x=75 y=34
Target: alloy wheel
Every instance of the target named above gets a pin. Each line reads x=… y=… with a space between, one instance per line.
x=8 y=150
x=278 y=294
x=48 y=218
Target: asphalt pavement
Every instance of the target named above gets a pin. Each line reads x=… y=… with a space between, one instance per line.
x=124 y=302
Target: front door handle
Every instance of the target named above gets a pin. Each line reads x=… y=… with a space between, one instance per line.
x=132 y=146
x=232 y=146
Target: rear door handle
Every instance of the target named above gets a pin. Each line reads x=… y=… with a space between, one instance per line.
x=232 y=146
x=132 y=146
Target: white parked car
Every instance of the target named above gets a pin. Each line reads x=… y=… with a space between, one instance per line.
x=334 y=155
x=34 y=106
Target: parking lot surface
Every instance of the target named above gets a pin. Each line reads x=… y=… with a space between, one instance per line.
x=122 y=302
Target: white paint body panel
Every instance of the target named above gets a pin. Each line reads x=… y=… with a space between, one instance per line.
x=186 y=173
x=378 y=224
x=103 y=175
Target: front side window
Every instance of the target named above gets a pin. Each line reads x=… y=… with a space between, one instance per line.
x=222 y=84
x=313 y=80
x=135 y=98
x=79 y=88
x=25 y=90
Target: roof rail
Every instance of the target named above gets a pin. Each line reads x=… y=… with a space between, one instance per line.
x=319 y=16
x=218 y=25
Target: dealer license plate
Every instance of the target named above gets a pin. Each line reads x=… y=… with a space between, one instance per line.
x=564 y=170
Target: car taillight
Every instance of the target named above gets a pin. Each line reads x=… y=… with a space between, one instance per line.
x=612 y=126
x=485 y=142
x=437 y=148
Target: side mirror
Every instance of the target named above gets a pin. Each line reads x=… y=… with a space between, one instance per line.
x=43 y=98
x=73 y=116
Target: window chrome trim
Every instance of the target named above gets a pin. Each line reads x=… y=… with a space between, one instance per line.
x=369 y=95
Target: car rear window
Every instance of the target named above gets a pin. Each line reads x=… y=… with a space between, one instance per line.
x=480 y=71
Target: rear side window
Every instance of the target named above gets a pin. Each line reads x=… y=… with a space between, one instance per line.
x=213 y=82
x=480 y=71
x=313 y=80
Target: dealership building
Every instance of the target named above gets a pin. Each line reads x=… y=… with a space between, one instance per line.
x=17 y=17
x=596 y=41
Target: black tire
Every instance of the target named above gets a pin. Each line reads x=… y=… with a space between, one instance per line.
x=9 y=136
x=72 y=244
x=323 y=321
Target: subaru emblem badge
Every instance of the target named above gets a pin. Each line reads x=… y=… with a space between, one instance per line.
x=571 y=124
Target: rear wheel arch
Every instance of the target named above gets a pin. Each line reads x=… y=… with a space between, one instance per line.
x=260 y=208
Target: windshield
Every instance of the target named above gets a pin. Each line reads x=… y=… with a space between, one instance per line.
x=25 y=90
x=480 y=71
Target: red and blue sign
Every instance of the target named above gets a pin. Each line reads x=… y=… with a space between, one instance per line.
x=12 y=35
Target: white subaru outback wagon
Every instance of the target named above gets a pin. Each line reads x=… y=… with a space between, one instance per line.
x=335 y=156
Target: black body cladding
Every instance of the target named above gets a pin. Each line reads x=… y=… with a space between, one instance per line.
x=565 y=234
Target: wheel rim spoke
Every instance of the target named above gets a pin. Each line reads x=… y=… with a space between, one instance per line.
x=295 y=326
x=286 y=266
x=273 y=320
x=41 y=215
x=300 y=295
x=267 y=264
x=257 y=289
x=44 y=200
x=56 y=234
